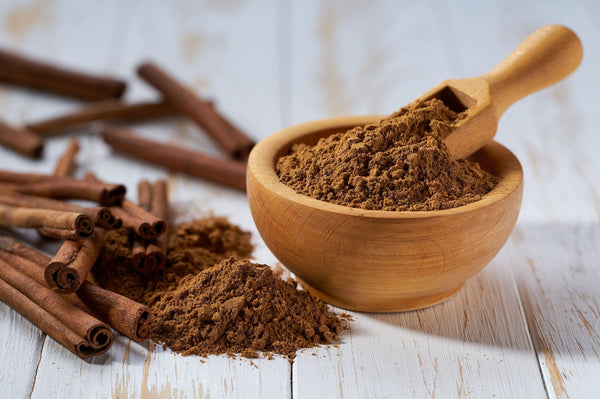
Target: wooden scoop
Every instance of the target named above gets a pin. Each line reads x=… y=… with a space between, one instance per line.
x=547 y=56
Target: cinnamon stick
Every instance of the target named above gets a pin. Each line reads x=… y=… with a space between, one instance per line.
x=150 y=256
x=157 y=225
x=46 y=322
x=65 y=188
x=130 y=318
x=8 y=176
x=142 y=222
x=61 y=187
x=138 y=251
x=140 y=227
x=66 y=162
x=75 y=329
x=31 y=268
x=101 y=216
x=109 y=110
x=21 y=140
x=19 y=70
x=70 y=266
x=156 y=250
x=58 y=224
x=231 y=139
x=229 y=173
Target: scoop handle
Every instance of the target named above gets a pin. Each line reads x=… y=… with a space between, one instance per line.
x=547 y=56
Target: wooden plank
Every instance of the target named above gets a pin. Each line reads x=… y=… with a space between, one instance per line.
x=476 y=344
x=204 y=47
x=21 y=342
x=20 y=347
x=555 y=248
x=361 y=57
x=551 y=132
x=558 y=280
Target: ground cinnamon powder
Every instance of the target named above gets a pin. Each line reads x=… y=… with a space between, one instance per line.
x=398 y=164
x=210 y=299
x=192 y=248
x=242 y=307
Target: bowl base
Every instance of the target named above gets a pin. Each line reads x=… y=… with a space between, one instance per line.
x=398 y=305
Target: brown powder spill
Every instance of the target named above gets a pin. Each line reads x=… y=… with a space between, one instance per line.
x=209 y=300
x=192 y=248
x=242 y=307
x=397 y=164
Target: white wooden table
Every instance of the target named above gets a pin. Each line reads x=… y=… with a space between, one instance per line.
x=527 y=326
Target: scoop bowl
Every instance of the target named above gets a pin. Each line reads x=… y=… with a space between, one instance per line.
x=378 y=261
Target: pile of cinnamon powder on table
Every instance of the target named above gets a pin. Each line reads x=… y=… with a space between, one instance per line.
x=398 y=164
x=210 y=299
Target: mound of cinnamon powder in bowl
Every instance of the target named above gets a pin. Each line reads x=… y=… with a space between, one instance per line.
x=398 y=164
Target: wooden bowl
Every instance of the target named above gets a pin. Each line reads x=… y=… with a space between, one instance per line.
x=378 y=261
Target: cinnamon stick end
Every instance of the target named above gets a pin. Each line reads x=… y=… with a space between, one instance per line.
x=107 y=220
x=146 y=231
x=142 y=324
x=84 y=226
x=160 y=227
x=113 y=196
x=61 y=279
x=138 y=260
x=154 y=262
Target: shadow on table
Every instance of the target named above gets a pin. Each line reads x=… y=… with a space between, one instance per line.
x=544 y=283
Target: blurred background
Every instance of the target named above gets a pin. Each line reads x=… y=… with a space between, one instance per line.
x=270 y=64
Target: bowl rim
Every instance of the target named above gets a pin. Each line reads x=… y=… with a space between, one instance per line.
x=261 y=167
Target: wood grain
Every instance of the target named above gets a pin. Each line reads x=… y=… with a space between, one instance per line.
x=473 y=345
x=564 y=318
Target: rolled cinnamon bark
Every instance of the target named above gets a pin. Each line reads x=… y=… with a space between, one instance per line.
x=67 y=188
x=58 y=224
x=97 y=334
x=66 y=162
x=102 y=217
x=32 y=269
x=21 y=140
x=19 y=70
x=61 y=187
x=46 y=322
x=142 y=222
x=149 y=256
x=138 y=252
x=156 y=250
x=231 y=139
x=141 y=227
x=109 y=110
x=157 y=225
x=222 y=171
x=70 y=266
x=8 y=176
x=130 y=318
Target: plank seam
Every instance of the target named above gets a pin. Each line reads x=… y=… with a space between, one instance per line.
x=292 y=379
x=531 y=329
x=37 y=367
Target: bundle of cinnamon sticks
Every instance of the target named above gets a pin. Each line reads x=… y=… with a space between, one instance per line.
x=54 y=292
x=177 y=99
